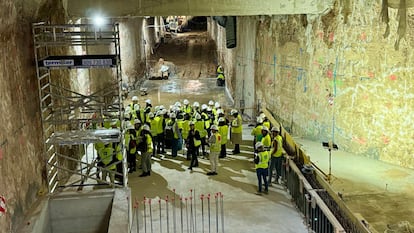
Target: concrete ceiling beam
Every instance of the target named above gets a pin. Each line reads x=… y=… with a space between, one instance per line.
x=125 y=8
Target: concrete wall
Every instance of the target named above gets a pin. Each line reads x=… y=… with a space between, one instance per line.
x=131 y=49
x=335 y=77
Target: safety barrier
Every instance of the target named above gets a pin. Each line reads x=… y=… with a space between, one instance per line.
x=323 y=210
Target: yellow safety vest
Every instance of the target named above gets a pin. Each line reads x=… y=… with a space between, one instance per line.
x=106 y=156
x=187 y=109
x=264 y=160
x=223 y=130
x=279 y=151
x=220 y=76
x=150 y=147
x=185 y=128
x=199 y=125
x=154 y=126
x=267 y=124
x=257 y=132
x=206 y=119
x=267 y=141
x=236 y=125
x=216 y=146
x=160 y=129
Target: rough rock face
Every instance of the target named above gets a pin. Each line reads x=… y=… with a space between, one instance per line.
x=334 y=77
x=21 y=162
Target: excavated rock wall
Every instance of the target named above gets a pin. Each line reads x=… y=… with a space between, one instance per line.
x=22 y=168
x=336 y=77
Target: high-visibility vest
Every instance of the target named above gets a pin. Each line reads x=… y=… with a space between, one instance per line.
x=187 y=109
x=279 y=141
x=267 y=141
x=220 y=76
x=206 y=119
x=267 y=124
x=199 y=126
x=263 y=159
x=185 y=128
x=119 y=154
x=150 y=147
x=154 y=126
x=160 y=128
x=236 y=125
x=106 y=154
x=223 y=130
x=216 y=146
x=257 y=132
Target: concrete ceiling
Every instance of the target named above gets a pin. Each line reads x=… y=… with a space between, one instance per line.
x=125 y=8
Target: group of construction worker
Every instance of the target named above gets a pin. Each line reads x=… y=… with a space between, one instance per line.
x=268 y=145
x=192 y=126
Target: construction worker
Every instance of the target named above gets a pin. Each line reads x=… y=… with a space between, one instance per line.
x=193 y=143
x=108 y=169
x=147 y=109
x=261 y=160
x=220 y=76
x=200 y=127
x=276 y=156
x=196 y=110
x=215 y=146
x=206 y=118
x=160 y=133
x=266 y=138
x=186 y=130
x=236 y=131
x=133 y=142
x=146 y=148
x=153 y=123
x=172 y=133
x=266 y=121
x=257 y=132
x=223 y=130
x=187 y=107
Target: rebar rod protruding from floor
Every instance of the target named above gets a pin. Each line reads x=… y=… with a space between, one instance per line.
x=168 y=218
x=202 y=211
x=217 y=223
x=136 y=214
x=186 y=213
x=174 y=218
x=181 y=214
x=222 y=213
x=150 y=210
x=208 y=203
x=145 y=214
x=159 y=205
x=191 y=211
x=195 y=212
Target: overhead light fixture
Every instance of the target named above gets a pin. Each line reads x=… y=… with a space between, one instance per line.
x=98 y=20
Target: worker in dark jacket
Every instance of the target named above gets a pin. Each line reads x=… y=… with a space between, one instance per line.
x=193 y=143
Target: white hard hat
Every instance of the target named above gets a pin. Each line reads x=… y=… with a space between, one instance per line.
x=172 y=115
x=209 y=109
x=265 y=128
x=275 y=129
x=134 y=98
x=214 y=127
x=164 y=111
x=127 y=115
x=129 y=125
x=137 y=121
x=196 y=104
x=220 y=111
x=233 y=111
x=162 y=107
x=204 y=107
x=127 y=110
x=221 y=119
x=259 y=120
x=192 y=123
x=157 y=113
x=148 y=101
x=198 y=116
x=259 y=144
x=156 y=108
x=136 y=107
x=217 y=105
x=151 y=115
x=186 y=101
x=146 y=127
x=211 y=102
x=177 y=104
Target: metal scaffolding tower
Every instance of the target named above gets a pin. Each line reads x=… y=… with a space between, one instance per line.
x=72 y=120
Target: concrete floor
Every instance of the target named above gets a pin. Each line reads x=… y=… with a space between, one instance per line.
x=244 y=211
